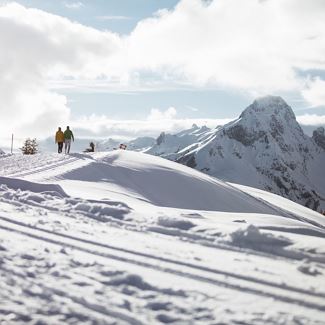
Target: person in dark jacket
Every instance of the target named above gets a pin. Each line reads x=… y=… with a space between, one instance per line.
x=68 y=136
x=59 y=139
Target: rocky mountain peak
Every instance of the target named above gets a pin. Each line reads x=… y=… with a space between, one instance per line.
x=319 y=137
x=161 y=138
x=267 y=119
x=269 y=107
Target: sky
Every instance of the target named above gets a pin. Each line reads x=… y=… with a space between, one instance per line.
x=138 y=67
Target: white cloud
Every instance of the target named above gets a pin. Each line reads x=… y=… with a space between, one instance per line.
x=311 y=119
x=314 y=93
x=255 y=46
x=34 y=46
x=157 y=115
x=192 y=108
x=102 y=126
x=113 y=17
x=252 y=45
x=73 y=5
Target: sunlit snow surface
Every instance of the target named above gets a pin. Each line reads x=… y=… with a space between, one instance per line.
x=128 y=238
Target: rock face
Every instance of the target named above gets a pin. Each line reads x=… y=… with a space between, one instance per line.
x=319 y=137
x=265 y=148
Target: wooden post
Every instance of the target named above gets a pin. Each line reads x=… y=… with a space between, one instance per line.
x=12 y=142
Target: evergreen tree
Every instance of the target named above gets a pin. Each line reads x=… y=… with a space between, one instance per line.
x=29 y=147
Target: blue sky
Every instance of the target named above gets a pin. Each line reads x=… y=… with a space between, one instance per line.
x=190 y=60
x=120 y=16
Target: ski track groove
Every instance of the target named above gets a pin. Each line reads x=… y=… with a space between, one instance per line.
x=171 y=270
x=201 y=240
x=40 y=170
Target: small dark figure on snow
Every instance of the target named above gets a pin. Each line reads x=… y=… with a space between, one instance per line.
x=92 y=147
x=123 y=146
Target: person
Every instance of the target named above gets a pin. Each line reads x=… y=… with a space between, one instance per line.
x=68 y=136
x=59 y=139
x=92 y=147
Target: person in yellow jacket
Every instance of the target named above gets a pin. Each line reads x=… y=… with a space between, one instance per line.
x=59 y=139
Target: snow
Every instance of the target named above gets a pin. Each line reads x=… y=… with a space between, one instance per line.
x=129 y=238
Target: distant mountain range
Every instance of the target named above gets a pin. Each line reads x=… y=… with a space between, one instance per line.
x=264 y=148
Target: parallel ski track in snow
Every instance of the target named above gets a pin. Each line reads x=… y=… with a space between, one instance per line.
x=216 y=277
x=45 y=168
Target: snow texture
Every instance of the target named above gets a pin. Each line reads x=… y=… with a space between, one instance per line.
x=130 y=238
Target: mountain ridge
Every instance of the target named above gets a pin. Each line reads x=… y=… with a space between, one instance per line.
x=265 y=147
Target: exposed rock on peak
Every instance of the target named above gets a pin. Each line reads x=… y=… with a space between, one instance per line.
x=161 y=138
x=319 y=137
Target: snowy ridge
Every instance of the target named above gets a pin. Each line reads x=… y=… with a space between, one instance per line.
x=171 y=146
x=129 y=238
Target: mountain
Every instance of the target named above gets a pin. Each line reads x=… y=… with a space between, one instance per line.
x=171 y=146
x=141 y=144
x=107 y=145
x=265 y=148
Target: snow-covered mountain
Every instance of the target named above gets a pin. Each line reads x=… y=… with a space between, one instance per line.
x=264 y=148
x=170 y=146
x=140 y=144
x=128 y=238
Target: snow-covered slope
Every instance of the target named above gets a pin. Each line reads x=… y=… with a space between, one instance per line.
x=129 y=238
x=264 y=148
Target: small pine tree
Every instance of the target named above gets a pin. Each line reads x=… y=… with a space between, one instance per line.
x=29 y=147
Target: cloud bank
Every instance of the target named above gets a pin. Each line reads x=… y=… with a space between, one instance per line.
x=253 y=46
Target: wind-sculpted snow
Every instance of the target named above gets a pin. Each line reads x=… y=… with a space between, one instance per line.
x=20 y=184
x=103 y=239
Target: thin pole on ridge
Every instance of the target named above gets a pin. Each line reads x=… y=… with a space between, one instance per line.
x=12 y=142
